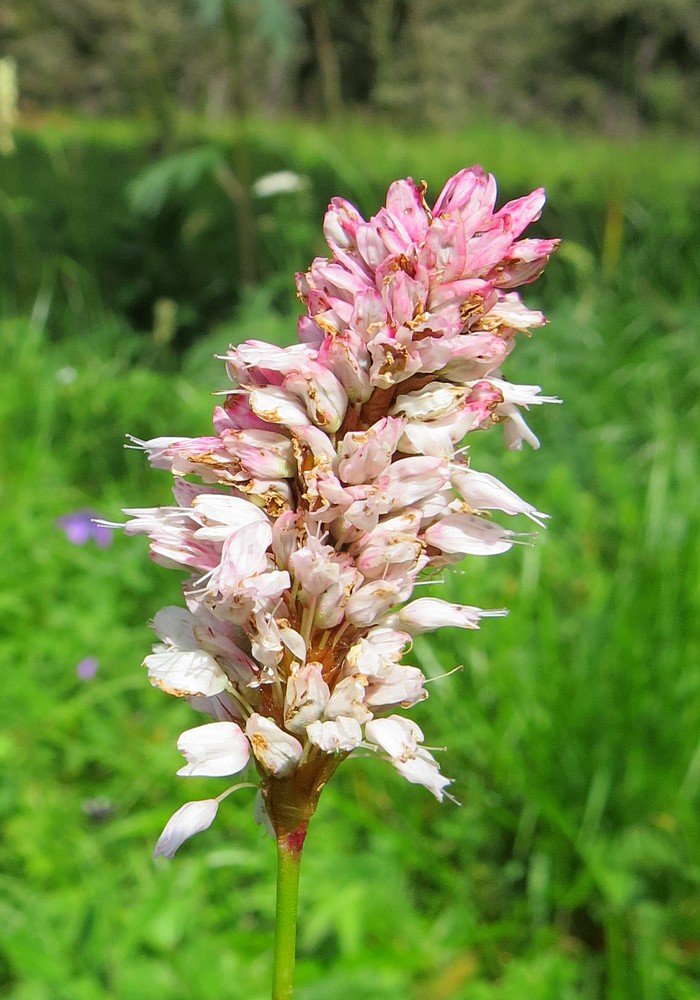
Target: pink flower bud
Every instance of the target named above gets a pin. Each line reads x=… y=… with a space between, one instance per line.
x=321 y=393
x=365 y=455
x=405 y=201
x=340 y=225
x=349 y=361
x=262 y=454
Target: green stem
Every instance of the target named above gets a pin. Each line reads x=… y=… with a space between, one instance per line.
x=289 y=848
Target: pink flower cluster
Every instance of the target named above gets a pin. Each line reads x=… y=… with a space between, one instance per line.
x=335 y=477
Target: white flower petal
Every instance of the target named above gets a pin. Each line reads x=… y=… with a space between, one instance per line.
x=175 y=627
x=342 y=734
x=294 y=642
x=213 y=750
x=369 y=602
x=423 y=770
x=347 y=699
x=278 y=406
x=400 y=685
x=397 y=736
x=189 y=819
x=222 y=515
x=185 y=672
x=400 y=739
x=306 y=696
x=277 y=751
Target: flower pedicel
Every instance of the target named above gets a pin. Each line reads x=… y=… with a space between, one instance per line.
x=336 y=475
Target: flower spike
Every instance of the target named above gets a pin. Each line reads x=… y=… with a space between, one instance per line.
x=335 y=480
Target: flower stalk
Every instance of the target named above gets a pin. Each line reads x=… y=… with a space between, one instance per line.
x=289 y=849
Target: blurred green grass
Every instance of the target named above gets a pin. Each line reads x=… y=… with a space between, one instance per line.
x=571 y=870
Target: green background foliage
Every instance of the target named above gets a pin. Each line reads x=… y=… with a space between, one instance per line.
x=130 y=256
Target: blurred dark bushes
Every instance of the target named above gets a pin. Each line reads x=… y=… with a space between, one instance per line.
x=615 y=65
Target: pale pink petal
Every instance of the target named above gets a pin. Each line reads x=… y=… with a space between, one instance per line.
x=468 y=534
x=175 y=626
x=262 y=454
x=372 y=248
x=411 y=479
x=430 y=613
x=515 y=429
x=293 y=641
x=391 y=231
x=349 y=361
x=321 y=393
x=521 y=395
x=340 y=225
x=221 y=515
x=370 y=602
x=315 y=567
x=523 y=211
x=484 y=492
x=330 y=606
x=404 y=201
x=400 y=739
x=180 y=666
x=400 y=685
x=469 y=187
x=434 y=400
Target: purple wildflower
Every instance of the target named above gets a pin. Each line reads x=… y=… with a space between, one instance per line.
x=87 y=668
x=79 y=527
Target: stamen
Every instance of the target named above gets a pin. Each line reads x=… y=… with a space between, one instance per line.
x=441 y=677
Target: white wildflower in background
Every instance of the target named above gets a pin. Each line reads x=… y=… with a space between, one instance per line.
x=279 y=182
